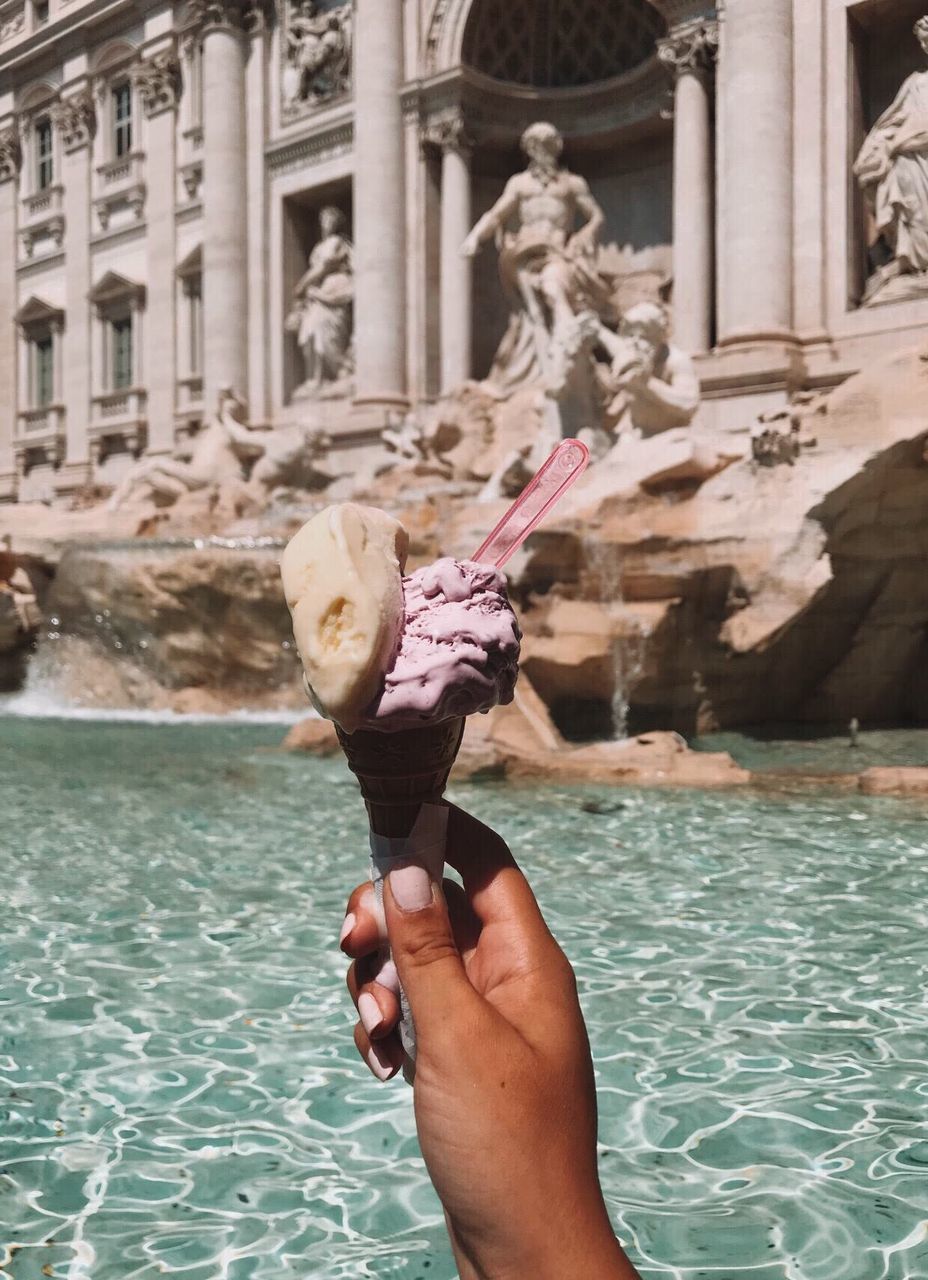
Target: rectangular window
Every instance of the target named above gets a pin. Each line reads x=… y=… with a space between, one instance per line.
x=122 y=120
x=44 y=158
x=121 y=337
x=195 y=295
x=43 y=367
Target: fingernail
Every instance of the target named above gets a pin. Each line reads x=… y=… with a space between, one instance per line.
x=379 y=1063
x=369 y=1012
x=349 y=923
x=388 y=977
x=412 y=888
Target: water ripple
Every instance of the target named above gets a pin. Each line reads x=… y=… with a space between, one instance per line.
x=179 y=1094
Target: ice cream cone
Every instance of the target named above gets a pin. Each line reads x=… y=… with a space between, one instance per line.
x=401 y=771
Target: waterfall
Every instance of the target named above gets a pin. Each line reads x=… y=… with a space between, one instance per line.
x=604 y=584
x=164 y=629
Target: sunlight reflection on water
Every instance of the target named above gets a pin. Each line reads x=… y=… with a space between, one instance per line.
x=179 y=1093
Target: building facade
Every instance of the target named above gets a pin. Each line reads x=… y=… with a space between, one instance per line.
x=163 y=168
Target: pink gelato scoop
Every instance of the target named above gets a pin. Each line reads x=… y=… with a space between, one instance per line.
x=458 y=651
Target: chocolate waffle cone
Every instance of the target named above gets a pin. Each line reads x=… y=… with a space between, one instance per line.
x=399 y=772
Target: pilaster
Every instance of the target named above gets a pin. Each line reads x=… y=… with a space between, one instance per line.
x=10 y=158
x=74 y=118
x=157 y=80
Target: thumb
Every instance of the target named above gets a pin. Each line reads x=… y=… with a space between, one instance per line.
x=424 y=951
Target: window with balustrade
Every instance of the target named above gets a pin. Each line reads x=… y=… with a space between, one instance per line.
x=44 y=154
x=122 y=119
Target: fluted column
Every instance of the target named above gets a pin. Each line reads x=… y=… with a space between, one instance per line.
x=225 y=280
x=756 y=126
x=75 y=120
x=379 y=205
x=689 y=51
x=9 y=169
x=158 y=80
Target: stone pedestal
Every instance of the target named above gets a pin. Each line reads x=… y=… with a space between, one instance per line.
x=379 y=206
x=74 y=118
x=9 y=168
x=225 y=283
x=456 y=273
x=157 y=80
x=689 y=51
x=756 y=121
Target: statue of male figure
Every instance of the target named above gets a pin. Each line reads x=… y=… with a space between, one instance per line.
x=546 y=262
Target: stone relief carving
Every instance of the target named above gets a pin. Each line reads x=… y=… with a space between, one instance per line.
x=548 y=269
x=75 y=119
x=892 y=170
x=157 y=80
x=10 y=153
x=317 y=52
x=12 y=24
x=322 y=312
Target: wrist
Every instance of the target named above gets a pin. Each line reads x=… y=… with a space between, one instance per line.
x=578 y=1249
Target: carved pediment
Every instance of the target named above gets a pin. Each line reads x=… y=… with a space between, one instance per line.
x=113 y=287
x=36 y=310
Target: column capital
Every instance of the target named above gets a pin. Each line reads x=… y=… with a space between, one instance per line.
x=75 y=118
x=246 y=16
x=449 y=133
x=10 y=153
x=691 y=47
x=157 y=80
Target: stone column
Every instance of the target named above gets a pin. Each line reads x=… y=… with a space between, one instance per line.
x=74 y=118
x=379 y=205
x=456 y=273
x=225 y=281
x=158 y=80
x=9 y=169
x=756 y=127
x=689 y=51
x=256 y=89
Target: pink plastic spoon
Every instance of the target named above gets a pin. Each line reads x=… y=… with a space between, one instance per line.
x=548 y=485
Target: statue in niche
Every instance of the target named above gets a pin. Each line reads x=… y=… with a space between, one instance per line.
x=650 y=385
x=892 y=169
x=548 y=269
x=322 y=312
x=318 y=53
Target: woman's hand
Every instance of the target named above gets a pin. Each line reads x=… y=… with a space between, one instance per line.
x=504 y=1096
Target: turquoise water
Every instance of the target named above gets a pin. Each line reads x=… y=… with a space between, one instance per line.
x=179 y=1094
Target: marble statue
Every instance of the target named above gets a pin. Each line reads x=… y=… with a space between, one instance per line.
x=290 y=458
x=318 y=53
x=547 y=264
x=651 y=385
x=892 y=169
x=216 y=455
x=322 y=312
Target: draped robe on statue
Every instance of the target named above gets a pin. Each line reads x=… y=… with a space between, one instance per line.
x=892 y=168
